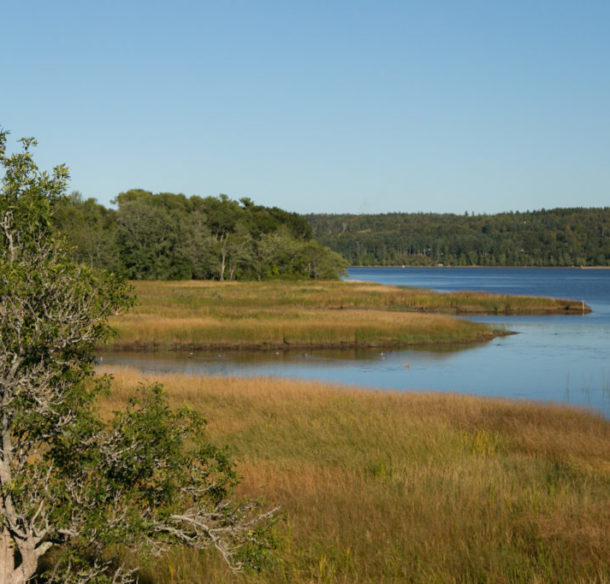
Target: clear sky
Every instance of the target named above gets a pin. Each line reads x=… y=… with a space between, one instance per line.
x=318 y=106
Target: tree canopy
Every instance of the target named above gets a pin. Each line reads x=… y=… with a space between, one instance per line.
x=70 y=482
x=168 y=236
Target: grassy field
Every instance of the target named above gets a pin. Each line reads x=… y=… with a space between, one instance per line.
x=279 y=314
x=385 y=487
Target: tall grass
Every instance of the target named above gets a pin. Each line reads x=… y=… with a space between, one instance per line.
x=172 y=298
x=299 y=328
x=198 y=315
x=389 y=487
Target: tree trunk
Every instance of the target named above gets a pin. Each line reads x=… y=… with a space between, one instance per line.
x=29 y=562
x=223 y=257
x=21 y=574
x=223 y=253
x=7 y=560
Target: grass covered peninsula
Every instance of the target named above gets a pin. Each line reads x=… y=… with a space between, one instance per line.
x=196 y=315
x=382 y=487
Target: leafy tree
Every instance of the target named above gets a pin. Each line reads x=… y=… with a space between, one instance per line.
x=169 y=236
x=92 y=231
x=73 y=489
x=149 y=239
x=197 y=246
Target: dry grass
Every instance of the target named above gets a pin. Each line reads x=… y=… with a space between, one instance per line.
x=298 y=328
x=388 y=487
x=196 y=315
x=163 y=297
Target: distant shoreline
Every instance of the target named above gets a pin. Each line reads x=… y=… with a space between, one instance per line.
x=490 y=267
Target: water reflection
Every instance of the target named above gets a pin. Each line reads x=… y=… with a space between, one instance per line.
x=259 y=362
x=546 y=362
x=553 y=358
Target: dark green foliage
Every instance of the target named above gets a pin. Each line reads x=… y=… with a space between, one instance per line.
x=72 y=485
x=147 y=480
x=557 y=237
x=91 y=229
x=166 y=236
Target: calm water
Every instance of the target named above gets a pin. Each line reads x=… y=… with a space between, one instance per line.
x=553 y=358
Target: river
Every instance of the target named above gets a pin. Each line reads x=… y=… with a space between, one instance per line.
x=562 y=359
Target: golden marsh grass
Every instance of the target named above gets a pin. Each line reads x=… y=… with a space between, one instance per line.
x=197 y=315
x=389 y=487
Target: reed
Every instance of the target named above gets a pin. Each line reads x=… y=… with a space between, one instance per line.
x=389 y=487
x=172 y=298
x=199 y=315
x=297 y=328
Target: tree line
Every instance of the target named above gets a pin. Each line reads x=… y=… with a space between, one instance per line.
x=167 y=236
x=557 y=237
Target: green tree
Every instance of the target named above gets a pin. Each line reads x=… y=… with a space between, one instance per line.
x=70 y=483
x=149 y=237
x=91 y=231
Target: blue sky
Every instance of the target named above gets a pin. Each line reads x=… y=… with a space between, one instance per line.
x=330 y=106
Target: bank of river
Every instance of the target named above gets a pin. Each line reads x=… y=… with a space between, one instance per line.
x=553 y=358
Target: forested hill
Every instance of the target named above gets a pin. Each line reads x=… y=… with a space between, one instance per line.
x=167 y=236
x=557 y=237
